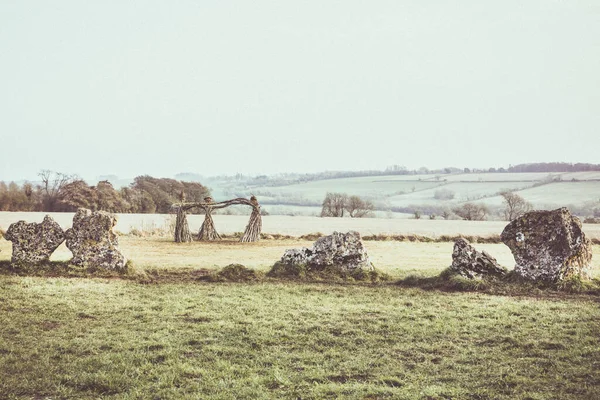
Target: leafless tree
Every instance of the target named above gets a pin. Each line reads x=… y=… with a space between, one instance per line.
x=359 y=208
x=52 y=185
x=334 y=205
x=514 y=205
x=472 y=211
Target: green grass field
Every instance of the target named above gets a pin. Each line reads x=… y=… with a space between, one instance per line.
x=184 y=338
x=543 y=190
x=90 y=338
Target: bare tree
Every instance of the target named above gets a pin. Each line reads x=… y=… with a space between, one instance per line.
x=515 y=205
x=359 y=208
x=52 y=185
x=472 y=211
x=334 y=205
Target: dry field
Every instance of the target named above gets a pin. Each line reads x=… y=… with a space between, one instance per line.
x=295 y=226
x=399 y=259
x=543 y=190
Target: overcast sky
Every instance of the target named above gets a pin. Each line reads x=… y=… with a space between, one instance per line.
x=220 y=87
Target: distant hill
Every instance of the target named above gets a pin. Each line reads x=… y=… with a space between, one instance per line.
x=430 y=193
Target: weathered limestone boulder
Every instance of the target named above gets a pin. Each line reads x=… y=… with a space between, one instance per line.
x=342 y=250
x=548 y=245
x=296 y=256
x=470 y=263
x=93 y=242
x=34 y=243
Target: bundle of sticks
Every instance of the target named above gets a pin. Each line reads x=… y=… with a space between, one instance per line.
x=208 y=230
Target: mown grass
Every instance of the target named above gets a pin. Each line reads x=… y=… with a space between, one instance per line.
x=89 y=338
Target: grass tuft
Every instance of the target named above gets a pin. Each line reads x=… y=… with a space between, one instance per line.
x=575 y=284
x=236 y=273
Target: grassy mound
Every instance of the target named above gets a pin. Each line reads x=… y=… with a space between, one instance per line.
x=236 y=273
x=511 y=284
x=332 y=273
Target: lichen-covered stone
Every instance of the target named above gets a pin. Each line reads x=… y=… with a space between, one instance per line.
x=93 y=242
x=341 y=250
x=548 y=245
x=34 y=243
x=296 y=256
x=470 y=263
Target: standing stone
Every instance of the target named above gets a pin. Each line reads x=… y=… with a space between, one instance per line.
x=93 y=242
x=548 y=245
x=341 y=250
x=470 y=263
x=34 y=243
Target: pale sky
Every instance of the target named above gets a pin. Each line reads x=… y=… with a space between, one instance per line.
x=220 y=87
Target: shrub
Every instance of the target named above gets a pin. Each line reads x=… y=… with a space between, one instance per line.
x=443 y=194
x=472 y=212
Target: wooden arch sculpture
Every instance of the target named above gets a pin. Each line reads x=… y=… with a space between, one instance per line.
x=208 y=231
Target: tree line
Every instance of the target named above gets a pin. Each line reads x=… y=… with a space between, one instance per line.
x=554 y=167
x=58 y=192
x=396 y=169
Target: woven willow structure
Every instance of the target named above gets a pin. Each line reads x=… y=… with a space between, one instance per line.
x=208 y=231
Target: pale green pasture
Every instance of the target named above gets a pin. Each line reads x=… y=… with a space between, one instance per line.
x=581 y=176
x=405 y=190
x=313 y=211
x=463 y=191
x=563 y=193
x=374 y=188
